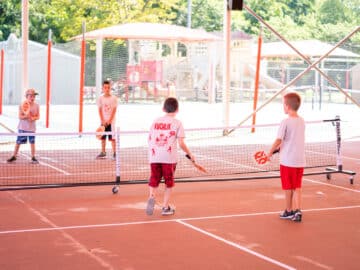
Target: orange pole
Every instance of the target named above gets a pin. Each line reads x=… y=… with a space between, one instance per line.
x=82 y=77
x=1 y=78
x=257 y=77
x=48 y=82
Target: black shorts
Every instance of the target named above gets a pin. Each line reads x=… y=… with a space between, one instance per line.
x=108 y=128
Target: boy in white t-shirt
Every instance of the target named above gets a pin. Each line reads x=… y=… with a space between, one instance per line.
x=107 y=105
x=165 y=134
x=291 y=141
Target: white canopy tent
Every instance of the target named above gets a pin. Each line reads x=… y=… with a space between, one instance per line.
x=151 y=31
x=144 y=31
x=309 y=48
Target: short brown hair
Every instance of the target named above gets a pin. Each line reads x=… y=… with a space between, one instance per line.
x=293 y=100
x=171 y=105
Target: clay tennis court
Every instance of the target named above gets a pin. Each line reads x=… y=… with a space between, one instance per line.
x=217 y=225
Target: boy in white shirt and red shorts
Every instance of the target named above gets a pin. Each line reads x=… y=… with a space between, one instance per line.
x=165 y=134
x=291 y=141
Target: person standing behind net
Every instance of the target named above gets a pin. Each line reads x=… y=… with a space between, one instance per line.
x=291 y=141
x=165 y=134
x=107 y=105
x=27 y=124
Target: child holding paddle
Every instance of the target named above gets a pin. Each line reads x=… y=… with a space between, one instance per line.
x=107 y=105
x=29 y=112
x=291 y=141
x=165 y=134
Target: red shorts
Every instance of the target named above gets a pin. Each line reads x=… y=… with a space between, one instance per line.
x=160 y=170
x=291 y=177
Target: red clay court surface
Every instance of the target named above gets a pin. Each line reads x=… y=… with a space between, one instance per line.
x=217 y=225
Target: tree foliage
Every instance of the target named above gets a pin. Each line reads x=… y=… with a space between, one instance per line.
x=328 y=20
x=65 y=17
x=10 y=18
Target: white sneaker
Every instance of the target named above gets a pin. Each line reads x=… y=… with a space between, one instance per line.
x=150 y=206
x=102 y=155
x=168 y=211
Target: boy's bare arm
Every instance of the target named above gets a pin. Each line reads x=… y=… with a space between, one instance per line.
x=275 y=146
x=23 y=115
x=184 y=147
x=36 y=116
x=101 y=116
x=112 y=115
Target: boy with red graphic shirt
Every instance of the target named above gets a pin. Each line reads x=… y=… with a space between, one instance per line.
x=291 y=141
x=166 y=133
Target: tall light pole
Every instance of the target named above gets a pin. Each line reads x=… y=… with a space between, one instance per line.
x=189 y=9
x=25 y=39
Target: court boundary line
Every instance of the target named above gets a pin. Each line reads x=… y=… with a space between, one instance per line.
x=120 y=224
x=331 y=185
x=81 y=247
x=230 y=243
x=47 y=165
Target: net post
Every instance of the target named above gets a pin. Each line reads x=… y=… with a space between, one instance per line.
x=1 y=77
x=82 y=76
x=338 y=143
x=117 y=156
x=48 y=79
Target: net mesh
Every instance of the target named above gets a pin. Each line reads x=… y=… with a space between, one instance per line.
x=70 y=158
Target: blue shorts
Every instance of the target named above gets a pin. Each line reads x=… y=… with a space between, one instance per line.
x=23 y=139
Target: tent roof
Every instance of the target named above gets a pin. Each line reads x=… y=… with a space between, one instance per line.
x=150 y=31
x=310 y=48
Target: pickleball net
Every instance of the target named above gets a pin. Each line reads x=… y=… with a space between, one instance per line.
x=69 y=159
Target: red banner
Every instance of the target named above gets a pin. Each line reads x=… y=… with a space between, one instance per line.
x=133 y=75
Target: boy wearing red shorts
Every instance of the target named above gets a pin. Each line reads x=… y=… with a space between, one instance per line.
x=165 y=134
x=291 y=141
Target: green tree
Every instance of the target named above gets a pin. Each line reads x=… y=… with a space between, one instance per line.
x=205 y=14
x=10 y=18
x=295 y=10
x=98 y=14
x=332 y=11
x=65 y=17
x=298 y=10
x=327 y=20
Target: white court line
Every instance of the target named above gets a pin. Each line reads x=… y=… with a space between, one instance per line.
x=237 y=165
x=350 y=158
x=50 y=166
x=72 y=174
x=75 y=244
x=316 y=264
x=106 y=225
x=332 y=155
x=54 y=168
x=256 y=254
x=331 y=185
